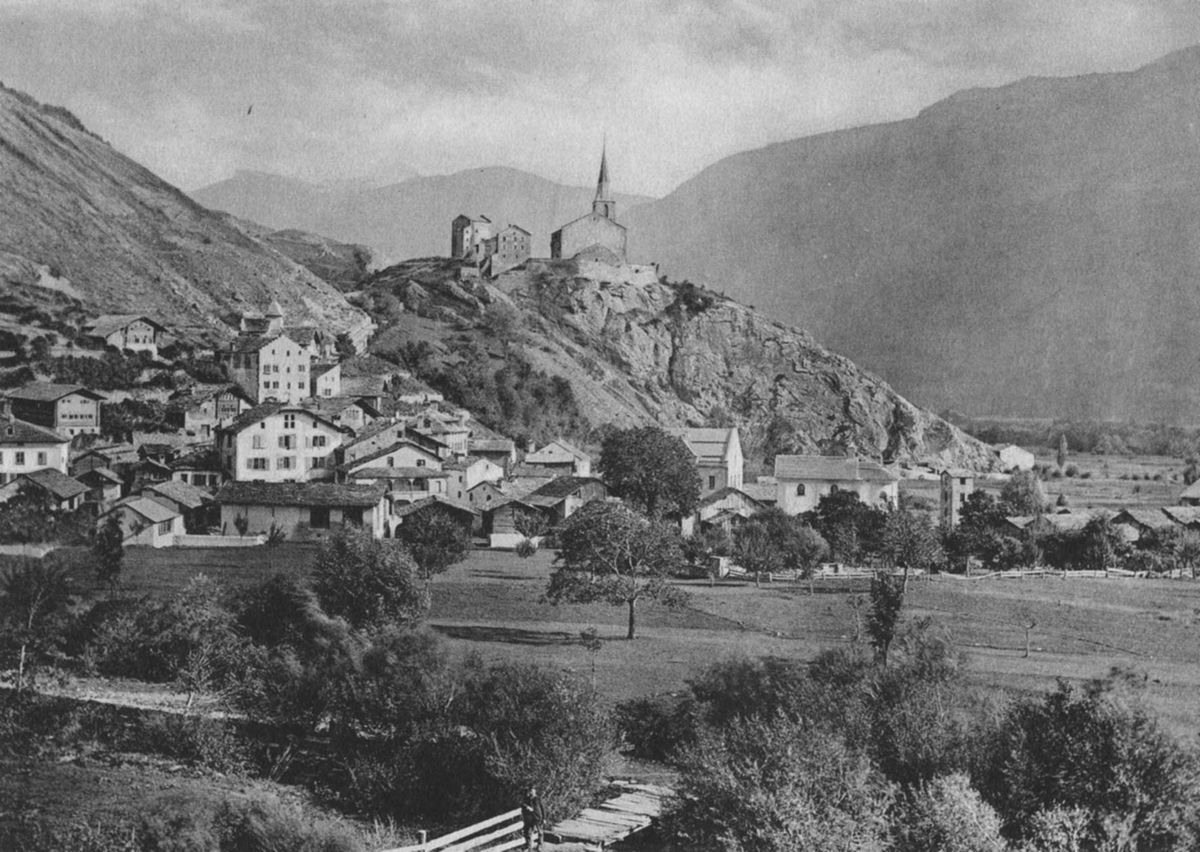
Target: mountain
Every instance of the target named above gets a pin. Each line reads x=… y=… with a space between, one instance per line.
x=82 y=225
x=1029 y=250
x=411 y=218
x=635 y=350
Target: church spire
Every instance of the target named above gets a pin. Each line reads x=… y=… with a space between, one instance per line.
x=604 y=205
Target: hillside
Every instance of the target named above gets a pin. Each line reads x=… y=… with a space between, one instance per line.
x=84 y=226
x=638 y=353
x=411 y=218
x=1029 y=250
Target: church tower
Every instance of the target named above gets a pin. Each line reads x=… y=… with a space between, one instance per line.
x=604 y=205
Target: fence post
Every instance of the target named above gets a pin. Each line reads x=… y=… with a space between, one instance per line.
x=422 y=837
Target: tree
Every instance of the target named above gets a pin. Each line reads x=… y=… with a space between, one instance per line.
x=946 y=814
x=1187 y=550
x=435 y=539
x=36 y=594
x=369 y=583
x=1023 y=494
x=887 y=597
x=910 y=541
x=1061 y=456
x=651 y=469
x=609 y=553
x=109 y=551
x=850 y=526
x=1102 y=546
x=773 y=541
x=345 y=346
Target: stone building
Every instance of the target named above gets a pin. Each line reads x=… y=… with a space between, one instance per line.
x=469 y=236
x=956 y=487
x=596 y=236
x=507 y=249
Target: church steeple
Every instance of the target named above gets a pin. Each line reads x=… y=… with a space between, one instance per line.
x=604 y=205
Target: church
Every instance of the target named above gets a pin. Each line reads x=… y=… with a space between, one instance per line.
x=596 y=236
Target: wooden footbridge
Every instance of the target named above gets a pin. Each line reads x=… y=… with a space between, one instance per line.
x=633 y=809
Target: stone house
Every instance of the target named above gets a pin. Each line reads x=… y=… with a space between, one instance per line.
x=103 y=486
x=67 y=409
x=202 y=412
x=802 y=480
x=718 y=454
x=466 y=473
x=469 y=236
x=508 y=248
x=269 y=367
x=64 y=493
x=355 y=414
x=955 y=486
x=26 y=447
x=502 y=451
x=197 y=506
x=303 y=510
x=276 y=442
x=131 y=332
x=723 y=508
x=201 y=468
x=560 y=458
x=326 y=379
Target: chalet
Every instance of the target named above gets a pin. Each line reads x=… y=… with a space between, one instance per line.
x=1184 y=516
x=103 y=486
x=1142 y=521
x=523 y=479
x=467 y=472
x=485 y=495
x=26 y=447
x=403 y=484
x=718 y=454
x=802 y=480
x=722 y=509
x=131 y=332
x=61 y=491
x=355 y=414
x=500 y=522
x=145 y=472
x=379 y=436
x=562 y=496
x=403 y=453
x=202 y=412
x=277 y=442
x=201 y=468
x=561 y=458
x=197 y=506
x=501 y=451
x=146 y=521
x=1011 y=458
x=461 y=512
x=303 y=510
x=454 y=435
x=119 y=458
x=373 y=389
x=67 y=409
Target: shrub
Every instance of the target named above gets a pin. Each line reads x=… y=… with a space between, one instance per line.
x=196 y=740
x=525 y=548
x=658 y=728
x=1071 y=470
x=947 y=815
x=368 y=582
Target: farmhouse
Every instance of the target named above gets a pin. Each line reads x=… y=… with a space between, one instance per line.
x=197 y=506
x=146 y=521
x=718 y=455
x=26 y=447
x=132 y=332
x=201 y=468
x=502 y=451
x=466 y=473
x=325 y=379
x=561 y=497
x=61 y=491
x=1140 y=521
x=802 y=480
x=560 y=458
x=303 y=510
x=103 y=486
x=202 y=412
x=67 y=409
x=459 y=511
x=119 y=458
x=277 y=442
x=721 y=509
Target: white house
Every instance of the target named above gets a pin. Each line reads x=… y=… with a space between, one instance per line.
x=132 y=332
x=26 y=447
x=1012 y=458
x=466 y=473
x=325 y=379
x=146 y=521
x=67 y=409
x=718 y=455
x=206 y=410
x=303 y=510
x=561 y=458
x=275 y=442
x=802 y=480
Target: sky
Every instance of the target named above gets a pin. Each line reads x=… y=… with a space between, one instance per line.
x=328 y=90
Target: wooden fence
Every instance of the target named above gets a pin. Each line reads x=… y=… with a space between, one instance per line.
x=477 y=836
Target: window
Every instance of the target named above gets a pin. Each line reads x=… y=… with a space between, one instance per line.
x=285 y=463
x=299 y=368
x=391 y=462
x=318 y=517
x=318 y=462
x=287 y=442
x=164 y=528
x=41 y=459
x=420 y=462
x=19 y=458
x=258 y=463
x=800 y=490
x=353 y=515
x=833 y=489
x=257 y=442
x=318 y=440
x=712 y=482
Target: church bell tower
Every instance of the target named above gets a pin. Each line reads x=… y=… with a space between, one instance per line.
x=603 y=204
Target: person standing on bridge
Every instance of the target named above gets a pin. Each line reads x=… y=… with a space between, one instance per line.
x=533 y=816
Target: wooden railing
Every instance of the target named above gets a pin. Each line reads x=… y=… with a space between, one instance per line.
x=474 y=836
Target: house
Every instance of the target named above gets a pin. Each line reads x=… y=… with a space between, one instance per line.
x=1184 y=516
x=202 y=412
x=403 y=484
x=120 y=458
x=278 y=442
x=198 y=507
x=67 y=409
x=802 y=480
x=145 y=521
x=1190 y=495
x=354 y=414
x=500 y=522
x=485 y=495
x=595 y=236
x=1012 y=458
x=508 y=248
x=201 y=468
x=722 y=509
x=765 y=493
x=1139 y=522
x=955 y=486
x=269 y=367
x=26 y=447
x=501 y=451
x=303 y=510
x=325 y=379
x=523 y=479
x=103 y=486
x=63 y=492
x=402 y=453
x=454 y=435
x=469 y=236
x=560 y=458
x=379 y=436
x=145 y=472
x=718 y=454
x=466 y=473
x=132 y=332
x=461 y=512
x=562 y=496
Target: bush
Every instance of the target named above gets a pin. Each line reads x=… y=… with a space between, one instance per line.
x=525 y=548
x=947 y=815
x=658 y=728
x=196 y=740
x=1071 y=470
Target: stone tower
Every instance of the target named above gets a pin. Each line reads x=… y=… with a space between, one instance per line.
x=604 y=205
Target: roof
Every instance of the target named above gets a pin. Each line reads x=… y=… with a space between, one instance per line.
x=763 y=492
x=187 y=496
x=590 y=216
x=102 y=473
x=1186 y=515
x=152 y=510
x=709 y=445
x=202 y=459
x=402 y=511
x=1068 y=521
x=333 y=405
x=491 y=445
x=14 y=431
x=1192 y=492
x=1020 y=521
x=560 y=488
x=268 y=409
x=728 y=491
x=465 y=462
x=115 y=453
x=364 y=385
x=531 y=471
x=48 y=392
x=106 y=324
x=252 y=341
x=56 y=482
x=1155 y=519
x=511 y=227
x=200 y=394
x=299 y=494
x=398 y=473
x=564 y=446
x=390 y=448
x=831 y=469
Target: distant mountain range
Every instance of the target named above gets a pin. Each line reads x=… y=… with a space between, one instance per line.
x=84 y=229
x=1027 y=250
x=410 y=218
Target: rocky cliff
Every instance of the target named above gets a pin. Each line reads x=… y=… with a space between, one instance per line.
x=637 y=350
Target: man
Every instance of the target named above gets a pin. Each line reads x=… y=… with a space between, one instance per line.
x=532 y=818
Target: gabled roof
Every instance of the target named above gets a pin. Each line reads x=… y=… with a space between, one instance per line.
x=1155 y=519
x=530 y=471
x=14 y=431
x=590 y=216
x=390 y=448
x=547 y=454
x=187 y=496
x=707 y=444
x=1186 y=515
x=560 y=488
x=201 y=394
x=102 y=473
x=48 y=392
x=152 y=510
x=511 y=227
x=331 y=406
x=433 y=500
x=269 y=409
x=106 y=324
x=728 y=491
x=114 y=453
x=299 y=494
x=1192 y=492
x=56 y=482
x=201 y=459
x=491 y=445
x=253 y=341
x=398 y=473
x=466 y=462
x=766 y=493
x=831 y=469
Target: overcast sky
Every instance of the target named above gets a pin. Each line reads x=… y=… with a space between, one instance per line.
x=335 y=90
